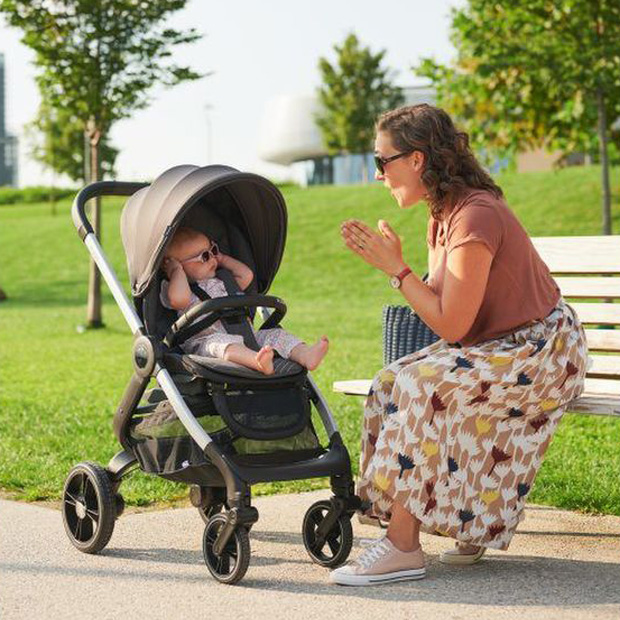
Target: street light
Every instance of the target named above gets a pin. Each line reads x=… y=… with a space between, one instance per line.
x=207 y=108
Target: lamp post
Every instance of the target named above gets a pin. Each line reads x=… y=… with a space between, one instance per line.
x=207 y=108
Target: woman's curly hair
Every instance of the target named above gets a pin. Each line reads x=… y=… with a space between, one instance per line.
x=450 y=167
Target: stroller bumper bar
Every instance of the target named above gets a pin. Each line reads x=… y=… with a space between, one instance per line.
x=102 y=188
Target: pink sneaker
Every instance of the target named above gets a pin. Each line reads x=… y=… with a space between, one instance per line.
x=381 y=563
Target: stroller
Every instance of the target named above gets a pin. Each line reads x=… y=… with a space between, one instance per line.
x=209 y=423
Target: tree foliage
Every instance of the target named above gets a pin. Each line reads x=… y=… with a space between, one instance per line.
x=535 y=73
x=527 y=72
x=98 y=59
x=355 y=90
x=59 y=144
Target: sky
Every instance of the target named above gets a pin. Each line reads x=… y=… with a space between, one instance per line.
x=256 y=52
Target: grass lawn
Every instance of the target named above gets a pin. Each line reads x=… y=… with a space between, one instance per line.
x=59 y=388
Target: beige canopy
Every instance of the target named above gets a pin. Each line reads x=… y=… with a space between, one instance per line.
x=246 y=211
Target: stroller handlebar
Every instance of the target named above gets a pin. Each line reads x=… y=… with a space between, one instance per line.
x=101 y=188
x=217 y=307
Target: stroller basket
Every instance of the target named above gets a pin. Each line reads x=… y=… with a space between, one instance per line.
x=274 y=413
x=163 y=445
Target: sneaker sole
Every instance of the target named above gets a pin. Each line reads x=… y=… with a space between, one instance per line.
x=376 y=580
x=462 y=559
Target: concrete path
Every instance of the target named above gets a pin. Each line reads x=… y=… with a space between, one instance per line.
x=561 y=565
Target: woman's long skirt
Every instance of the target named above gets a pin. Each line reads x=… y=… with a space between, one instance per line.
x=456 y=435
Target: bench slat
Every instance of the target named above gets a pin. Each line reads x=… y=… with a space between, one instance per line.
x=603 y=339
x=582 y=288
x=605 y=366
x=575 y=255
x=599 y=314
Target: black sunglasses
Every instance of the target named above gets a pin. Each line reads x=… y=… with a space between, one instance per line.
x=380 y=162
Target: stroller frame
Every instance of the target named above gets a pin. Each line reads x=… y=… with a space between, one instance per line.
x=324 y=518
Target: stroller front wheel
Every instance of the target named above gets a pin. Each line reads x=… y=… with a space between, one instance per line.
x=332 y=548
x=89 y=507
x=231 y=565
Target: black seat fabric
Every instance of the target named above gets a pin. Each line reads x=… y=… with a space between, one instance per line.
x=197 y=365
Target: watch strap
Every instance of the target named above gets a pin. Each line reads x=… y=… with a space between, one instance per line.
x=403 y=274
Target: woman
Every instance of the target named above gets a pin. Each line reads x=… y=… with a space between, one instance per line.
x=454 y=434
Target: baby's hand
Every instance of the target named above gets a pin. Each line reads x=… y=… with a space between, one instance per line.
x=171 y=265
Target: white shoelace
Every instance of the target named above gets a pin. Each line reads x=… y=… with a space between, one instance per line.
x=373 y=553
x=366 y=542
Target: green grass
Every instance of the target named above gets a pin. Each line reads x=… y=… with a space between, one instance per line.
x=59 y=389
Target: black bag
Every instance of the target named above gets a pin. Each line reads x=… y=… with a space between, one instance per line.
x=404 y=332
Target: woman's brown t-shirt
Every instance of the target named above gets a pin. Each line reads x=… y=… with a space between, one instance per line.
x=520 y=288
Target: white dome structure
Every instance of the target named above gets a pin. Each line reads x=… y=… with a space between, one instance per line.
x=289 y=132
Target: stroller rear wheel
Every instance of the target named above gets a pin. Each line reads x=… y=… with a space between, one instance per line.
x=89 y=507
x=231 y=565
x=332 y=548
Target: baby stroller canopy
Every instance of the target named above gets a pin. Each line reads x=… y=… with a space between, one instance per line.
x=248 y=205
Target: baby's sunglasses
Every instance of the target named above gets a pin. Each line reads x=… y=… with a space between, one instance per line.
x=204 y=256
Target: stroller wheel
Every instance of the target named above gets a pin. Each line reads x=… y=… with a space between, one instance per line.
x=119 y=501
x=332 y=549
x=232 y=564
x=89 y=507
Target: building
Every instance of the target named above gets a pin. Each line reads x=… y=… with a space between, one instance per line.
x=289 y=135
x=8 y=143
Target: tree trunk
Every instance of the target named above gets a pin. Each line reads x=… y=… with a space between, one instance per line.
x=3 y=295
x=602 y=140
x=93 y=314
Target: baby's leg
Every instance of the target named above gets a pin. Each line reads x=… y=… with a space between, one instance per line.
x=310 y=356
x=240 y=354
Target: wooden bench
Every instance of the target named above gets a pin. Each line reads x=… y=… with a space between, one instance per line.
x=587 y=270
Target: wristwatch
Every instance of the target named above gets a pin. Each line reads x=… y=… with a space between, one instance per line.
x=397 y=280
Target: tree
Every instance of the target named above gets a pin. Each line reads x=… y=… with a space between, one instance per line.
x=354 y=92
x=58 y=138
x=97 y=60
x=3 y=295
x=534 y=73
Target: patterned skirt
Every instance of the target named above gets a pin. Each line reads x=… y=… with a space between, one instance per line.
x=456 y=434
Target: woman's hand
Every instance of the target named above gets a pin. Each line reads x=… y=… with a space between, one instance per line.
x=382 y=250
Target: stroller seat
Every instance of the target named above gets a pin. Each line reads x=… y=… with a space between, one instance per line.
x=205 y=367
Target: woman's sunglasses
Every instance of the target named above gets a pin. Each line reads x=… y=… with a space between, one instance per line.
x=204 y=256
x=380 y=162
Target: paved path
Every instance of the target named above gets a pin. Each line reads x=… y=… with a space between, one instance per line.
x=561 y=565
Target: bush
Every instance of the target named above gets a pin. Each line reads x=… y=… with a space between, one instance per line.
x=38 y=193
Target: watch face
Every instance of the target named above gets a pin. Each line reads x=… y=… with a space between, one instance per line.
x=395 y=282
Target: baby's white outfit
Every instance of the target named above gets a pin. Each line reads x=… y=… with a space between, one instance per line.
x=213 y=340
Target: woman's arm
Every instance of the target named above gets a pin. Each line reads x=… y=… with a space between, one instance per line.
x=451 y=315
x=241 y=272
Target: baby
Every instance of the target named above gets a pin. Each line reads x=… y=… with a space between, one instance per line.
x=192 y=257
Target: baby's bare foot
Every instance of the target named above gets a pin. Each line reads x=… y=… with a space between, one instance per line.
x=316 y=353
x=264 y=360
